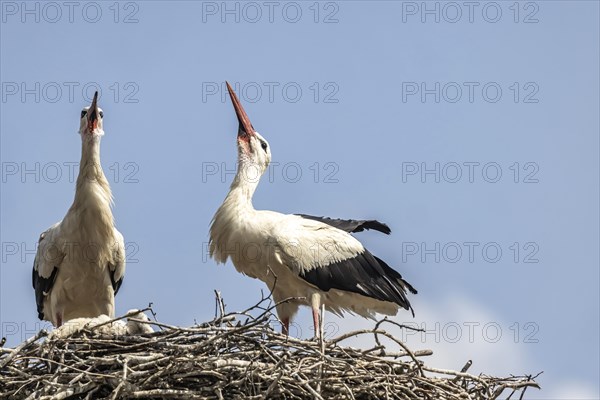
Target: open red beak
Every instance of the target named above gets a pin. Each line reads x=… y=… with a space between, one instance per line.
x=93 y=113
x=246 y=128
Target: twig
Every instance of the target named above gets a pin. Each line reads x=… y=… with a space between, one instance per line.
x=26 y=343
x=236 y=355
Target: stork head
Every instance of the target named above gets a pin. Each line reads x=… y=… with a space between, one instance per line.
x=253 y=149
x=91 y=120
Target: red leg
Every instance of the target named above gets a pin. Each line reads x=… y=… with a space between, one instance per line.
x=285 y=326
x=316 y=319
x=58 y=320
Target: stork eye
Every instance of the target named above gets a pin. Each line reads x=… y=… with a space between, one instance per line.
x=101 y=114
x=263 y=144
x=83 y=113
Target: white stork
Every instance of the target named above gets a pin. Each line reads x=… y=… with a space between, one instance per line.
x=312 y=259
x=80 y=261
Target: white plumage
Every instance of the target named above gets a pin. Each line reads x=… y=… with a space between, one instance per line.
x=101 y=325
x=312 y=259
x=80 y=261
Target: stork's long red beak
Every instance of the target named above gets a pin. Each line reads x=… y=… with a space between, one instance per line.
x=93 y=113
x=246 y=128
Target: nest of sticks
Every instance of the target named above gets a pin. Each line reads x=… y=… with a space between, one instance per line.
x=236 y=355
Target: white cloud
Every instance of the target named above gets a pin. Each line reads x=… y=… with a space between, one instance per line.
x=573 y=390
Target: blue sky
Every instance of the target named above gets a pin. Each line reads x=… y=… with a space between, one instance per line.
x=472 y=131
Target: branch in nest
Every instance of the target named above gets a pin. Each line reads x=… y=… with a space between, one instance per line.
x=236 y=355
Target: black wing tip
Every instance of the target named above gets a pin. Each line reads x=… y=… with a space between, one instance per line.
x=402 y=284
x=42 y=285
x=376 y=279
x=117 y=285
x=407 y=306
x=377 y=226
x=351 y=225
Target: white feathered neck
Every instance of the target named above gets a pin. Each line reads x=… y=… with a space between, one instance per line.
x=91 y=209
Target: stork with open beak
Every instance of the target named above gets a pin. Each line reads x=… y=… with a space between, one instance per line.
x=80 y=261
x=311 y=260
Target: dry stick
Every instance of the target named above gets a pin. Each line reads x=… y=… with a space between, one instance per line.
x=69 y=392
x=275 y=381
x=389 y=321
x=66 y=366
x=91 y=393
x=465 y=368
x=456 y=373
x=122 y=383
x=410 y=353
x=163 y=393
x=26 y=343
x=255 y=362
x=220 y=305
x=530 y=378
x=352 y=334
x=226 y=318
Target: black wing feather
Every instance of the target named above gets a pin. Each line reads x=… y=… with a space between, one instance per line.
x=363 y=274
x=115 y=284
x=42 y=285
x=351 y=225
